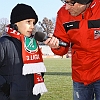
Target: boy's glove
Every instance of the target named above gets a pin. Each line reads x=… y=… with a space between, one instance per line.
x=6 y=89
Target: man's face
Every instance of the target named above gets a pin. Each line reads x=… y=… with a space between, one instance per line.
x=74 y=8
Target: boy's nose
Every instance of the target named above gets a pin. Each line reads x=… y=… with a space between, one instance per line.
x=32 y=26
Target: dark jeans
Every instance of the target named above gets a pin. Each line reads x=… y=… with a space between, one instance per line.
x=88 y=92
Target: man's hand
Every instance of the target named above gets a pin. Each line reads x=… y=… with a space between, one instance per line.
x=52 y=42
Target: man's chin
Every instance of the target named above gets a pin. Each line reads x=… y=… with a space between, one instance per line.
x=73 y=14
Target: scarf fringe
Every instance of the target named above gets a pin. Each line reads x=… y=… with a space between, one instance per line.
x=32 y=68
x=39 y=88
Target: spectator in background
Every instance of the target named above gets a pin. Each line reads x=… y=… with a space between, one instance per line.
x=78 y=23
x=21 y=63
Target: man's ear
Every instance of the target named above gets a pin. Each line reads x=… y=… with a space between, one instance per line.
x=14 y=26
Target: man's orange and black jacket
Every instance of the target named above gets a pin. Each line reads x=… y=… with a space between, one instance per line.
x=83 y=32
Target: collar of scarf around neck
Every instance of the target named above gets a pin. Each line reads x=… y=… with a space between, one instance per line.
x=31 y=52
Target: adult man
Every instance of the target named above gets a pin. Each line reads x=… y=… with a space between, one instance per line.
x=78 y=24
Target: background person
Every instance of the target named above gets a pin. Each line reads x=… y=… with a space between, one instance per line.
x=78 y=23
x=21 y=63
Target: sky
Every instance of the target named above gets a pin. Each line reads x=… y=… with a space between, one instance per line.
x=43 y=8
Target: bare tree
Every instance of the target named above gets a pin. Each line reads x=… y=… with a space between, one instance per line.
x=47 y=25
x=3 y=23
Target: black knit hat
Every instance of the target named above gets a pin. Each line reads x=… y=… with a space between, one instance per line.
x=83 y=1
x=22 y=12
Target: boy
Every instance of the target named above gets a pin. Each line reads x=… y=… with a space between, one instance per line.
x=21 y=63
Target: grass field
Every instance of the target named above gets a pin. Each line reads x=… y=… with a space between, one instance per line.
x=58 y=79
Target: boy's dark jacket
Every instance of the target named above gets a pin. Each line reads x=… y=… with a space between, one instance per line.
x=11 y=71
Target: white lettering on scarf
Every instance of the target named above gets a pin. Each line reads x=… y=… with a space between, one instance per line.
x=33 y=57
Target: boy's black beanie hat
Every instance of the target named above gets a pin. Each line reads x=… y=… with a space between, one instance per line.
x=22 y=12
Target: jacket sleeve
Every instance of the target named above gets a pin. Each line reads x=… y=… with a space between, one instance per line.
x=60 y=51
x=4 y=86
x=1 y=54
x=61 y=34
x=2 y=80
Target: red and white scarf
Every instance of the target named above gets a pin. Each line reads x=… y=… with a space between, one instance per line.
x=32 y=59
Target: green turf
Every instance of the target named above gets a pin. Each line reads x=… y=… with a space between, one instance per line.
x=58 y=79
